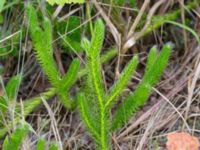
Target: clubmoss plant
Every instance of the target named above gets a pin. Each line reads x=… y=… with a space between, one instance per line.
x=156 y=23
x=42 y=40
x=11 y=91
x=95 y=103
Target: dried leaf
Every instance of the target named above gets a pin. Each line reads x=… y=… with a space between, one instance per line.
x=182 y=141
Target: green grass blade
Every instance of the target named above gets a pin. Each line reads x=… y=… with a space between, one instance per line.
x=12 y=87
x=29 y=106
x=186 y=28
x=2 y=2
x=16 y=139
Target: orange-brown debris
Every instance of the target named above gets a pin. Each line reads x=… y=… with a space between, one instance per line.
x=182 y=141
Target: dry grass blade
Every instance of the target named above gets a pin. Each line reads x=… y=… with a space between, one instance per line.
x=57 y=11
x=138 y=18
x=113 y=29
x=54 y=123
x=191 y=87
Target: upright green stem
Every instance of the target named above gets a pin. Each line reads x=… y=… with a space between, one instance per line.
x=103 y=132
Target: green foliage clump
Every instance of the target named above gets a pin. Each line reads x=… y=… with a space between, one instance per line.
x=95 y=103
x=2 y=2
x=10 y=47
x=70 y=31
x=9 y=98
x=14 y=141
x=12 y=87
